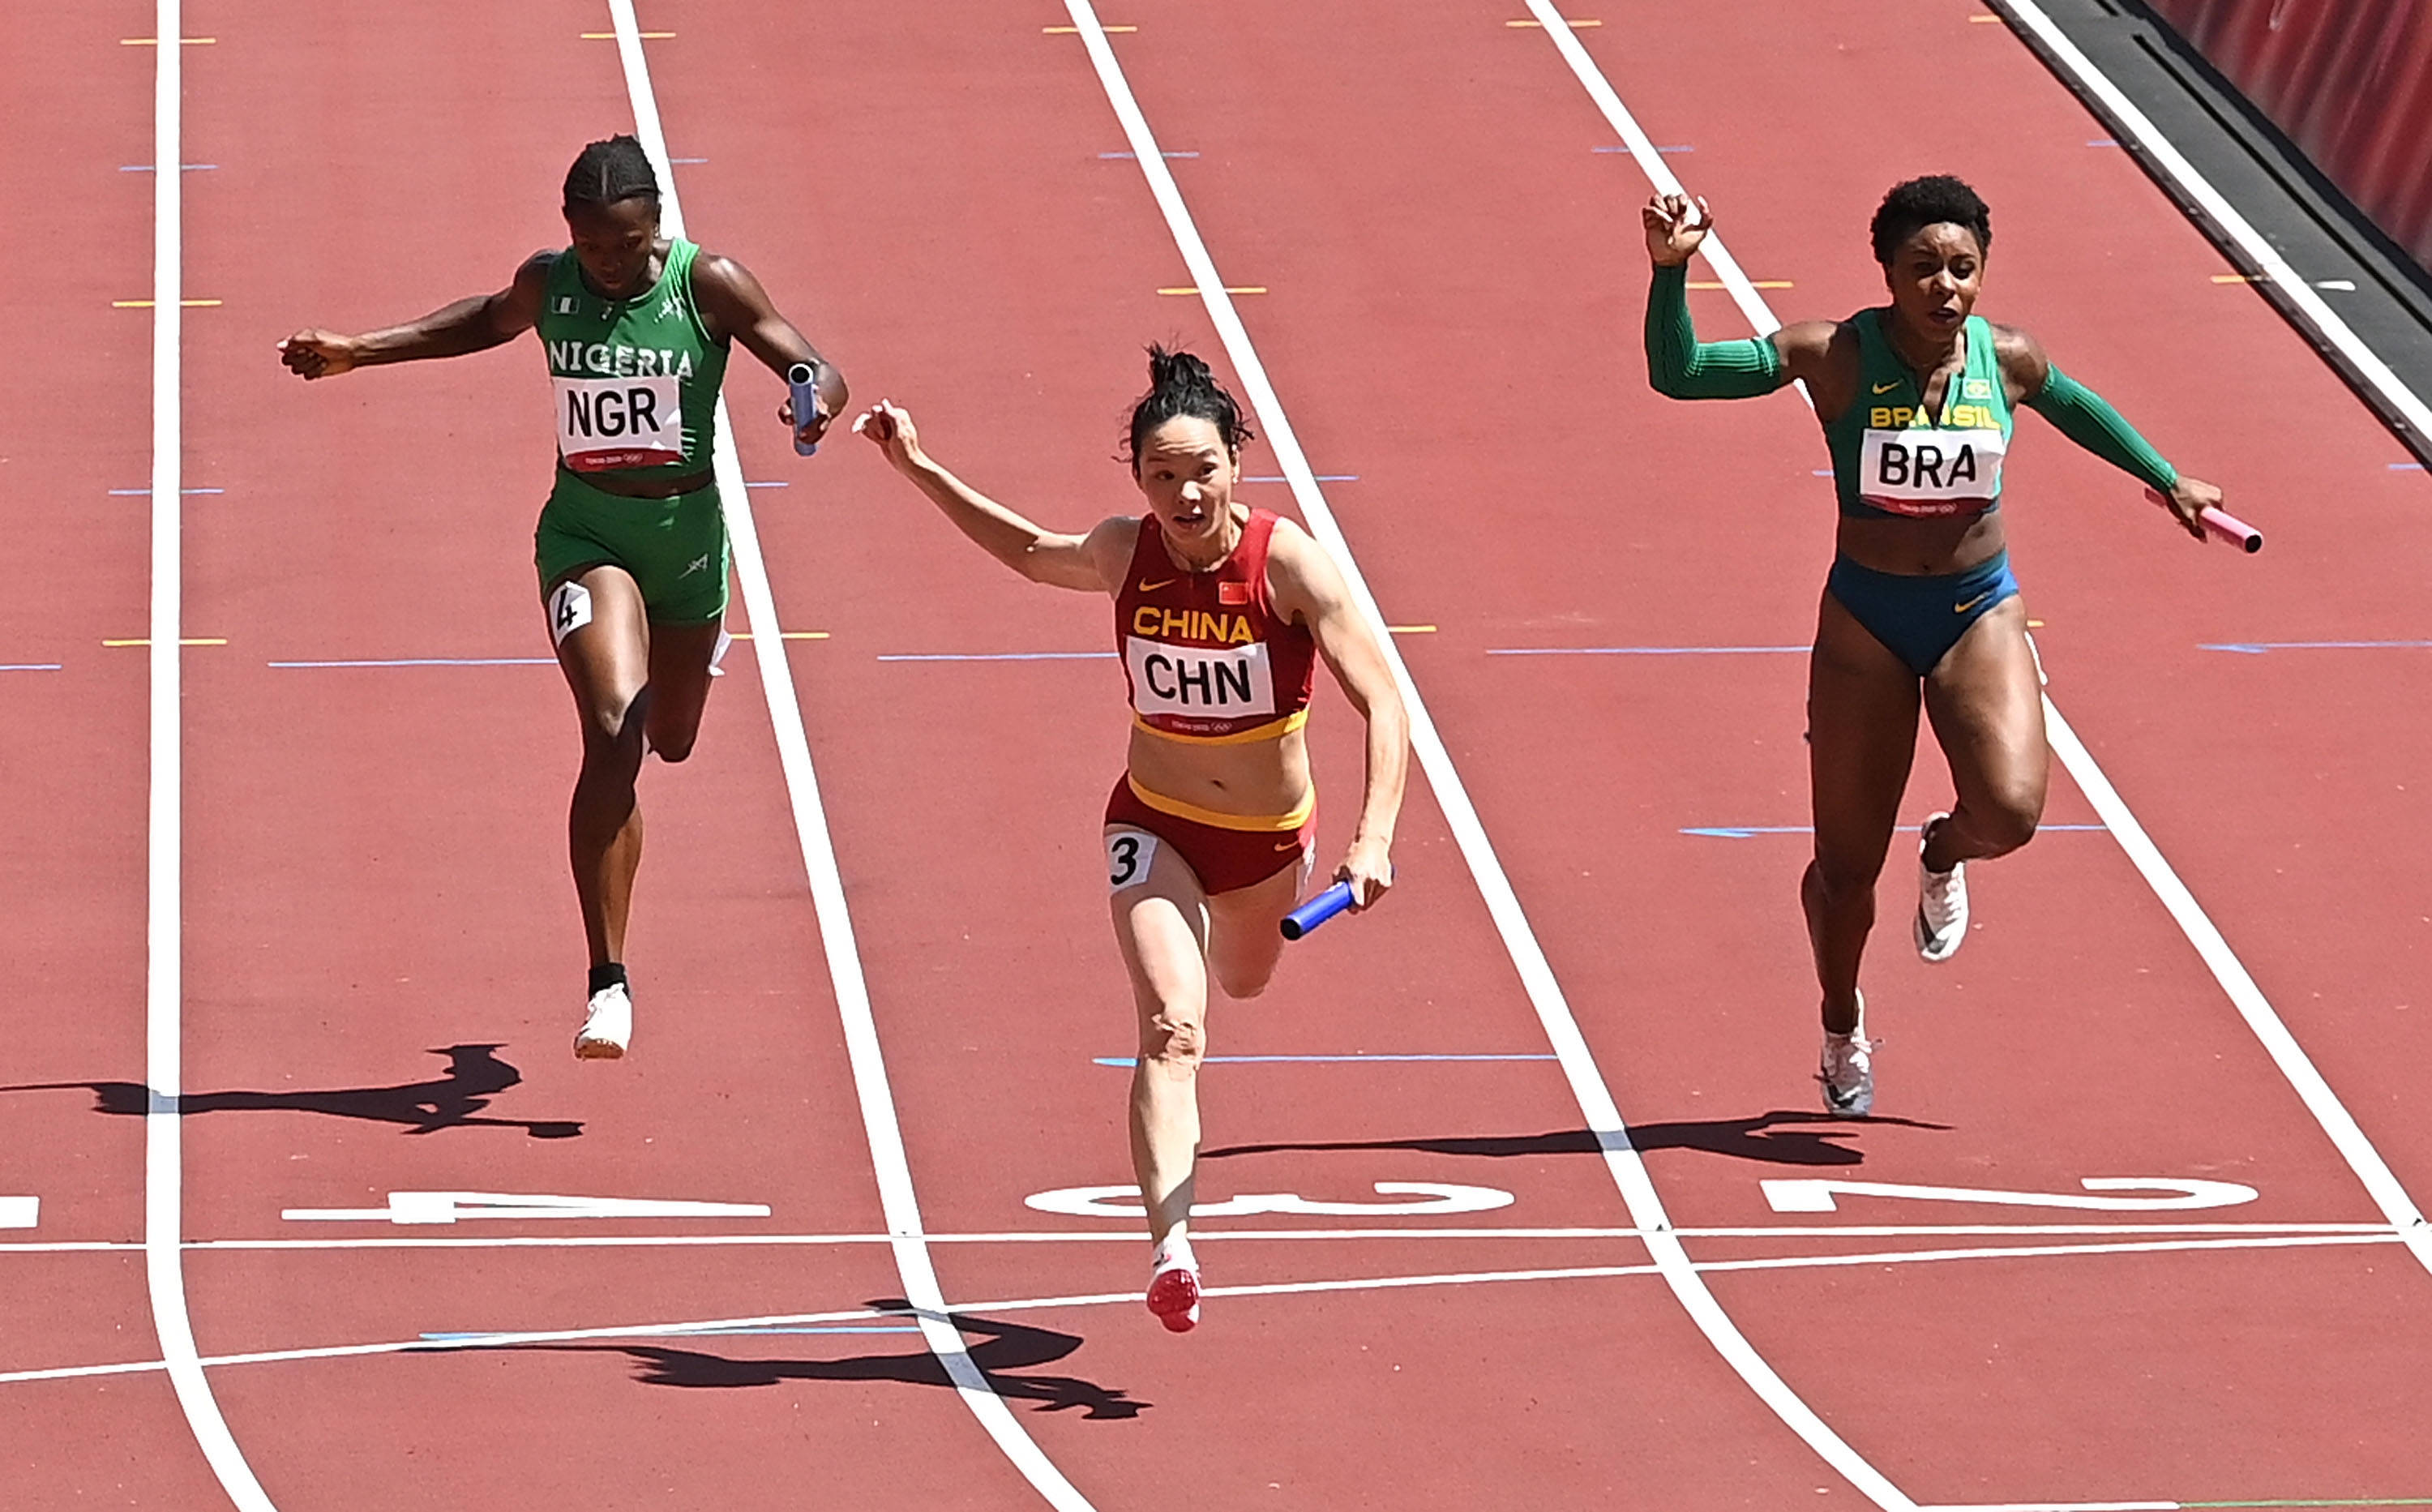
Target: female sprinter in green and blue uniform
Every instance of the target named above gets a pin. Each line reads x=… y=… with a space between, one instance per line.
x=630 y=549
x=1916 y=400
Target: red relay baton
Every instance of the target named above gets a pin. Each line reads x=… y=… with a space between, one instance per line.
x=2223 y=524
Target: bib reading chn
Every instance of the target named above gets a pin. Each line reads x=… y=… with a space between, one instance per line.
x=619 y=422
x=1199 y=681
x=1925 y=472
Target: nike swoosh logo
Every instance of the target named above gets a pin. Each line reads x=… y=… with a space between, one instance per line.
x=1288 y=845
x=1886 y=388
x=1152 y=587
x=1963 y=608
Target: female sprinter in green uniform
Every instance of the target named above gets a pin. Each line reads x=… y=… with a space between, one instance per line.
x=1915 y=400
x=1222 y=613
x=632 y=547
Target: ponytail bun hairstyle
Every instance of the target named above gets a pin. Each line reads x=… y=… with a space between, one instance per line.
x=1180 y=384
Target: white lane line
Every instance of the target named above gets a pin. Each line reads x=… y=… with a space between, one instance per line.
x=877 y=1099
x=2366 y=1161
x=676 y=1240
x=2164 y=154
x=165 y=934
x=1089 y=1300
x=2248 y=998
x=1528 y=957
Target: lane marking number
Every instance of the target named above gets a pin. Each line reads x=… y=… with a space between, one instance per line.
x=455 y=1207
x=1430 y=1198
x=1130 y=853
x=569 y=610
x=1809 y=1195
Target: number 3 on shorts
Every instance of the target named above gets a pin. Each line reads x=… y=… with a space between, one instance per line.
x=1129 y=854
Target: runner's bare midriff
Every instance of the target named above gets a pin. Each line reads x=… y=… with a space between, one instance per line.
x=1256 y=780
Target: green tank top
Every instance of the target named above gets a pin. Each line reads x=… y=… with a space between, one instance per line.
x=637 y=379
x=1891 y=456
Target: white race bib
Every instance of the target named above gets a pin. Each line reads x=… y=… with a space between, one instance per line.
x=1201 y=682
x=1922 y=471
x=1129 y=855
x=619 y=422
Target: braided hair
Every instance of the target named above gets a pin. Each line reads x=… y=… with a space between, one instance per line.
x=1180 y=384
x=609 y=171
x=1933 y=200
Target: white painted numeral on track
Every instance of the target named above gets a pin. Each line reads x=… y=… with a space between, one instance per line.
x=1434 y=1198
x=19 y=1211
x=452 y=1207
x=1809 y=1195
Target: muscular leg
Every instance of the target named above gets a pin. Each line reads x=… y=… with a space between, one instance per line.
x=1161 y=926
x=679 y=685
x=1987 y=710
x=606 y=664
x=1862 y=736
x=1243 y=943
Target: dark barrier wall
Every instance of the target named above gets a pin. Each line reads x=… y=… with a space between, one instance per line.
x=2350 y=81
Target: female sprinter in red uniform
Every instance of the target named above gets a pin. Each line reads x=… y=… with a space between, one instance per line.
x=1915 y=400
x=1221 y=614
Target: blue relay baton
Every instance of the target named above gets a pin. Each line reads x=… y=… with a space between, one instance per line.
x=1316 y=911
x=800 y=377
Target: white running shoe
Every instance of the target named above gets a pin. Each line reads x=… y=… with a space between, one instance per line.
x=610 y=1025
x=1941 y=925
x=1173 y=1288
x=1849 y=1072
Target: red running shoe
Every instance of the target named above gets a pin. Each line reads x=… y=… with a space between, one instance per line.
x=1173 y=1295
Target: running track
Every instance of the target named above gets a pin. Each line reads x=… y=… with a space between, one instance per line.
x=377 y=936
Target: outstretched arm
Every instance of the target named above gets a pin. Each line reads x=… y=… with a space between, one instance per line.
x=1309 y=588
x=1094 y=563
x=737 y=306
x=1677 y=364
x=476 y=324
x=2083 y=416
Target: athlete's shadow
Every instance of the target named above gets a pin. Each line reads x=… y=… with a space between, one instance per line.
x=451 y=1101
x=1780 y=1137
x=1004 y=1356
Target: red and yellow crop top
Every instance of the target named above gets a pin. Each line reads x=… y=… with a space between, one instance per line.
x=1205 y=655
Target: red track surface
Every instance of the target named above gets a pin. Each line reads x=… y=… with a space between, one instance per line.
x=373 y=854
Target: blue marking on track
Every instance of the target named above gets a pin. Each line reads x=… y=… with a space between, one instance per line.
x=1127 y=1062
x=2100 y=142
x=687 y=159
x=2407 y=467
x=1321 y=476
x=1642 y=651
x=774 y=485
x=1744 y=831
x=2256 y=648
x=431 y=662
x=1002 y=655
x=30 y=667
